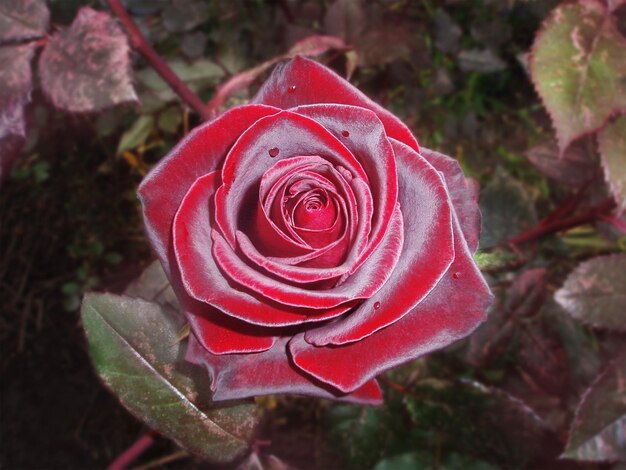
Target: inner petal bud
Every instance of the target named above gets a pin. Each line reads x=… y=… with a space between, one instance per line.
x=315 y=210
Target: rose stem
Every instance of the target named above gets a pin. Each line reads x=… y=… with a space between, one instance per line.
x=542 y=228
x=130 y=455
x=139 y=43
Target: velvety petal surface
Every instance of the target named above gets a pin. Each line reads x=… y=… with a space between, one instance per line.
x=302 y=81
x=372 y=275
x=427 y=253
x=290 y=135
x=270 y=372
x=364 y=135
x=203 y=280
x=463 y=194
x=451 y=311
x=201 y=152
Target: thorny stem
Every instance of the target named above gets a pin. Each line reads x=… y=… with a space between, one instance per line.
x=130 y=455
x=139 y=43
x=547 y=225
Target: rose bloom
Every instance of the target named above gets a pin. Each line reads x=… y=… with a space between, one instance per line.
x=312 y=243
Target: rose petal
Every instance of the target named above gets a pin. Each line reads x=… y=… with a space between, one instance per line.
x=450 y=312
x=201 y=152
x=203 y=280
x=427 y=253
x=220 y=334
x=367 y=281
x=247 y=161
x=270 y=372
x=367 y=140
x=303 y=81
x=463 y=194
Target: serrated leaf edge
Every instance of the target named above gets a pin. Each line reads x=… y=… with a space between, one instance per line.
x=154 y=371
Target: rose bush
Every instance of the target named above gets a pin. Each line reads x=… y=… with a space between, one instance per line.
x=311 y=242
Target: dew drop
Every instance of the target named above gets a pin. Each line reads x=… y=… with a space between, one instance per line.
x=273 y=152
x=291 y=89
x=376 y=305
x=345 y=133
x=456 y=275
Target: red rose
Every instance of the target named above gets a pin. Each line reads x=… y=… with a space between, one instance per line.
x=311 y=242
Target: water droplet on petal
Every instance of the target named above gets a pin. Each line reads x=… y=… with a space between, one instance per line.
x=273 y=152
x=345 y=133
x=291 y=89
x=456 y=275
x=376 y=305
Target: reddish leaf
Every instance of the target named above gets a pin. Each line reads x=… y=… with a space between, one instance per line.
x=86 y=67
x=528 y=292
x=543 y=358
x=15 y=87
x=594 y=292
x=578 y=66
x=23 y=19
x=599 y=429
x=612 y=141
x=574 y=168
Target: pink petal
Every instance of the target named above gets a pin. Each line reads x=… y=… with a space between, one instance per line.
x=238 y=376
x=201 y=152
x=463 y=194
x=203 y=280
x=427 y=253
x=450 y=312
x=303 y=81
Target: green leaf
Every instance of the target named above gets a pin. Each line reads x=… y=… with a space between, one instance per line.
x=135 y=350
x=86 y=67
x=507 y=209
x=598 y=432
x=170 y=119
x=137 y=134
x=612 y=140
x=198 y=76
x=594 y=292
x=23 y=19
x=578 y=67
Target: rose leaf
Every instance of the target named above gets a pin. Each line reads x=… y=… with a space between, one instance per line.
x=184 y=15
x=346 y=19
x=574 y=168
x=87 y=67
x=137 y=134
x=506 y=209
x=598 y=431
x=612 y=141
x=594 y=292
x=136 y=351
x=578 y=67
x=15 y=87
x=21 y=20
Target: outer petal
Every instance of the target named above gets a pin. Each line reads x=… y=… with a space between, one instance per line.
x=450 y=312
x=303 y=81
x=463 y=193
x=203 y=280
x=201 y=152
x=220 y=334
x=427 y=252
x=245 y=375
